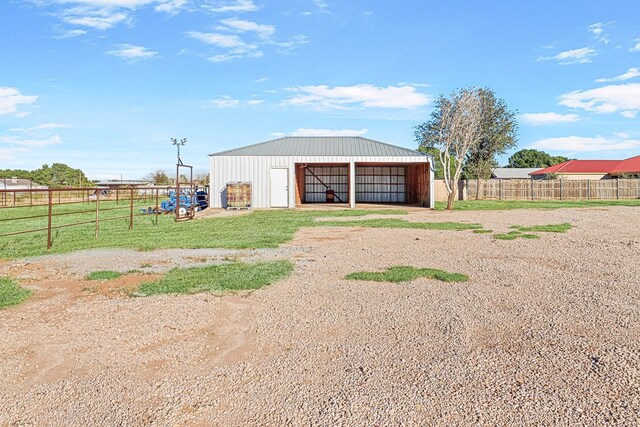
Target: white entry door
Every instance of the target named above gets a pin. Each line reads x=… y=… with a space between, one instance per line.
x=279 y=187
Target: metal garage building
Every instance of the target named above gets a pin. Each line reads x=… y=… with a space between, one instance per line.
x=290 y=171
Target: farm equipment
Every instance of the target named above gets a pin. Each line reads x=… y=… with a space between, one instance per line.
x=188 y=203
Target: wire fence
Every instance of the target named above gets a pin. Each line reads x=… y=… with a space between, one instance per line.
x=27 y=211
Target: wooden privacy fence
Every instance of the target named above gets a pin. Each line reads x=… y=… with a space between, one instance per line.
x=553 y=189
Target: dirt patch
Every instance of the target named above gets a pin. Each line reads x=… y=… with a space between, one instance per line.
x=545 y=332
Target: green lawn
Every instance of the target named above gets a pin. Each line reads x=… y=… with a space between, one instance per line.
x=11 y=293
x=236 y=276
x=483 y=205
x=547 y=228
x=103 y=275
x=258 y=229
x=406 y=274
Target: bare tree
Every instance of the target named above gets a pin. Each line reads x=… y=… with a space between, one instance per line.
x=454 y=129
x=159 y=177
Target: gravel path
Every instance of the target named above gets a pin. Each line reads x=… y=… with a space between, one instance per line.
x=546 y=332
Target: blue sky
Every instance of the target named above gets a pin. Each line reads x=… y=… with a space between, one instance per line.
x=103 y=84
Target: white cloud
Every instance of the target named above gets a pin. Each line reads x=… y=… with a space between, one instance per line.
x=574 y=56
x=241 y=26
x=636 y=47
x=598 y=32
x=329 y=132
x=11 y=99
x=261 y=80
x=225 y=102
x=218 y=39
x=67 y=34
x=292 y=44
x=322 y=6
x=103 y=14
x=623 y=99
x=171 y=7
x=278 y=134
x=232 y=6
x=539 y=119
x=99 y=19
x=31 y=142
x=235 y=46
x=43 y=126
x=630 y=74
x=132 y=52
x=361 y=95
x=8 y=155
x=584 y=144
x=228 y=102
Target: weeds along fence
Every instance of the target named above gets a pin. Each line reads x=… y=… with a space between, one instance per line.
x=556 y=189
x=28 y=211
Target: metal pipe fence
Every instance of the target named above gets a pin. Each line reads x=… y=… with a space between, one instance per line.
x=21 y=209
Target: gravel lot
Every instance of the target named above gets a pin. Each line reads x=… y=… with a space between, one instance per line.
x=546 y=332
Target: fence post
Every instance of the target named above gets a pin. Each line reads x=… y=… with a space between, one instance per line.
x=156 y=210
x=97 y=213
x=617 y=188
x=500 y=189
x=131 y=212
x=588 y=189
x=49 y=219
x=560 y=189
x=532 y=188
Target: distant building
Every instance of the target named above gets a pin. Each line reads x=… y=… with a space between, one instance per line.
x=123 y=184
x=19 y=184
x=592 y=169
x=512 y=173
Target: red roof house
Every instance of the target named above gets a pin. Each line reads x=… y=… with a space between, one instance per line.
x=630 y=166
x=592 y=169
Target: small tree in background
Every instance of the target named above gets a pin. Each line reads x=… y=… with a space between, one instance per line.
x=202 y=179
x=454 y=129
x=529 y=158
x=159 y=177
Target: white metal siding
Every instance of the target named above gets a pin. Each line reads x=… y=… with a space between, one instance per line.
x=224 y=169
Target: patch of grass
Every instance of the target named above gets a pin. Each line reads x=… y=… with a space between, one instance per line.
x=525 y=232
x=401 y=223
x=103 y=275
x=482 y=231
x=258 y=229
x=226 y=277
x=513 y=235
x=11 y=293
x=472 y=205
x=548 y=228
x=406 y=274
x=529 y=236
x=505 y=236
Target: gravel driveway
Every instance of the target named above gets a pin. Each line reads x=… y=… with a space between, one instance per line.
x=546 y=332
